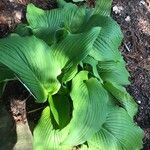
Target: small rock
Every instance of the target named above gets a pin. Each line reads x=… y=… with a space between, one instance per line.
x=142 y=2
x=117 y=9
x=139 y=102
x=17 y=16
x=128 y=19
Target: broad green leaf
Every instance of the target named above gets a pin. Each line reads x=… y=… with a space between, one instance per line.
x=90 y=109
x=103 y=7
x=72 y=50
x=45 y=23
x=61 y=109
x=109 y=39
x=46 y=137
x=123 y=97
x=118 y=133
x=37 y=65
x=33 y=63
x=87 y=93
x=69 y=74
x=113 y=72
x=75 y=47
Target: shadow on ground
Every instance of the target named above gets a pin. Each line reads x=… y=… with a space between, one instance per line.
x=8 y=136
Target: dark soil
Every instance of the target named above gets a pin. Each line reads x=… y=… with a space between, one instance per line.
x=21 y=104
x=136 y=51
x=134 y=18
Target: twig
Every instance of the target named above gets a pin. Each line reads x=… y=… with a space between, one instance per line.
x=32 y=111
x=126 y=46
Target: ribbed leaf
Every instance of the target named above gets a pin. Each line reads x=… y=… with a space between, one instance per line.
x=108 y=41
x=32 y=62
x=61 y=109
x=90 y=108
x=46 y=137
x=75 y=47
x=72 y=50
x=123 y=97
x=105 y=49
x=38 y=65
x=45 y=23
x=87 y=93
x=103 y=7
x=110 y=38
x=69 y=74
x=113 y=72
x=118 y=133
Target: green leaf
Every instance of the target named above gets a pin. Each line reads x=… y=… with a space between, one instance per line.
x=61 y=109
x=87 y=93
x=37 y=65
x=103 y=7
x=90 y=109
x=72 y=50
x=123 y=97
x=46 y=137
x=109 y=39
x=113 y=72
x=75 y=47
x=118 y=133
x=45 y=23
x=33 y=63
x=69 y=74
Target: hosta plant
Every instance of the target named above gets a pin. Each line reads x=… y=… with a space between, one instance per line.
x=69 y=57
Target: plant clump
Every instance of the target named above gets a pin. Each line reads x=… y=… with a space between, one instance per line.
x=69 y=57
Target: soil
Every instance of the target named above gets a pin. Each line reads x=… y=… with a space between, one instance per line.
x=134 y=18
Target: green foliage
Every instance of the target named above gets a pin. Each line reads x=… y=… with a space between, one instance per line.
x=69 y=57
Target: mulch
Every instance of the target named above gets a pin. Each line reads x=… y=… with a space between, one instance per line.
x=136 y=51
